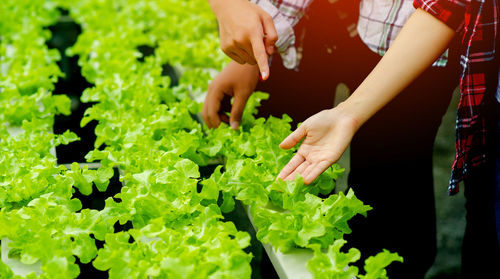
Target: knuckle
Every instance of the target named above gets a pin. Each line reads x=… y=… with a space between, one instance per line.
x=227 y=45
x=267 y=16
x=225 y=48
x=273 y=37
x=239 y=39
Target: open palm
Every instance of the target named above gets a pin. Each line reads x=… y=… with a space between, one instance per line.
x=326 y=136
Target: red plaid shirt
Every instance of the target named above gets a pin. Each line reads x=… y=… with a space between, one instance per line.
x=476 y=20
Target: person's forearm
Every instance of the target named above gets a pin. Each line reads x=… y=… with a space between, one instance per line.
x=421 y=41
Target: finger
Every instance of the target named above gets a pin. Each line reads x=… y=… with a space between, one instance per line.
x=260 y=54
x=235 y=57
x=237 y=109
x=212 y=117
x=271 y=36
x=299 y=170
x=211 y=106
x=291 y=166
x=314 y=171
x=208 y=112
x=293 y=138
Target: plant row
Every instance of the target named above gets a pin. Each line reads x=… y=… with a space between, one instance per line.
x=149 y=61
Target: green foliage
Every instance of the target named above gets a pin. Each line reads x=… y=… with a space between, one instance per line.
x=307 y=220
x=335 y=264
x=50 y=230
x=149 y=129
x=375 y=265
x=28 y=68
x=208 y=248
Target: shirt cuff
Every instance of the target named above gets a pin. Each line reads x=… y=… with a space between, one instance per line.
x=286 y=36
x=450 y=12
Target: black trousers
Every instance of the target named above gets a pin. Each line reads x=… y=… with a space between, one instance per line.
x=480 y=248
x=480 y=251
x=391 y=155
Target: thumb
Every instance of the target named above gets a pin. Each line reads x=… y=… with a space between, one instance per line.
x=294 y=137
x=237 y=109
x=271 y=36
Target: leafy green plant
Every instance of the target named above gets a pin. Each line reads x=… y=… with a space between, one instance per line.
x=337 y=264
x=147 y=126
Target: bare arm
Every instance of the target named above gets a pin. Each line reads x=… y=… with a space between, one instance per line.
x=423 y=39
x=327 y=134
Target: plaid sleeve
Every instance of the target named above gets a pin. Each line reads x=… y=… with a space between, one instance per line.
x=450 y=12
x=285 y=14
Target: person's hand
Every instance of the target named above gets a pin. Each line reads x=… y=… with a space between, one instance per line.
x=236 y=81
x=327 y=135
x=247 y=32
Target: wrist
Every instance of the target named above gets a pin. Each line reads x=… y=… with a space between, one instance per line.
x=349 y=114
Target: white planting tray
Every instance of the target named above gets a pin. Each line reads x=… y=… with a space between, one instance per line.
x=291 y=265
x=15 y=263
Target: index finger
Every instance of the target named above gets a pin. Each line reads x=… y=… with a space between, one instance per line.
x=260 y=54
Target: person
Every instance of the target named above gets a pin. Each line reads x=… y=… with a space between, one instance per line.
x=388 y=149
x=424 y=37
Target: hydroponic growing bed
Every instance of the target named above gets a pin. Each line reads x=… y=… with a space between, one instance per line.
x=148 y=65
